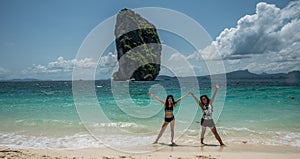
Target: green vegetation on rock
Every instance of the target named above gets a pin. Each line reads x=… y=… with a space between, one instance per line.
x=138 y=47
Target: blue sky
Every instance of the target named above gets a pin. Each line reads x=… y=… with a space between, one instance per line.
x=36 y=35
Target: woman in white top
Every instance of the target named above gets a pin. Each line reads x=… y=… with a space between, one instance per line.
x=207 y=120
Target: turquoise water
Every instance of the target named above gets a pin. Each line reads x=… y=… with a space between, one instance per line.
x=46 y=114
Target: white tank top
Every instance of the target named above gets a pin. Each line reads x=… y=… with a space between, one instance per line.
x=207 y=112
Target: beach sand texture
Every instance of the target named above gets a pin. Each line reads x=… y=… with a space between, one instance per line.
x=243 y=151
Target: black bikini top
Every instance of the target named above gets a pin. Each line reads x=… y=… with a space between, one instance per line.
x=169 y=108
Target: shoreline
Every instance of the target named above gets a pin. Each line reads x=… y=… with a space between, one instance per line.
x=236 y=151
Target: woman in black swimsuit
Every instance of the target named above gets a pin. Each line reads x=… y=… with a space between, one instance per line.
x=169 y=116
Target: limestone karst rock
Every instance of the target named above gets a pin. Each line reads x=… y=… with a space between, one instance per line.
x=138 y=47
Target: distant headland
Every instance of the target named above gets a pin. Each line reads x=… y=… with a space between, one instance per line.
x=292 y=77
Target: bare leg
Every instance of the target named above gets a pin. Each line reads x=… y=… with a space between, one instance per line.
x=214 y=130
x=162 y=130
x=202 y=134
x=172 y=123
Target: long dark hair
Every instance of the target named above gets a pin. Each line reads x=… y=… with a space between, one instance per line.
x=167 y=103
x=205 y=96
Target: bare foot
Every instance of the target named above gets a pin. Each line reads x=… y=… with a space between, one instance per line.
x=173 y=144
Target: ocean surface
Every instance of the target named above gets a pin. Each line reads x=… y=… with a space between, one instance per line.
x=55 y=115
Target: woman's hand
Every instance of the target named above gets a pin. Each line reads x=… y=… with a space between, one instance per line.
x=217 y=86
x=214 y=95
x=149 y=94
x=191 y=93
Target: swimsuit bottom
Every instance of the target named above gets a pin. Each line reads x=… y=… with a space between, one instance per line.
x=169 y=119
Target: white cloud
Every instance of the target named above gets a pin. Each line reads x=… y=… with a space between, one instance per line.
x=62 y=68
x=62 y=65
x=274 y=66
x=6 y=74
x=178 y=64
x=211 y=52
x=108 y=61
x=268 y=41
x=37 y=69
x=3 y=73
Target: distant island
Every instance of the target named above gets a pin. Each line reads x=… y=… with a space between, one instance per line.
x=245 y=74
x=235 y=77
x=23 y=80
x=244 y=77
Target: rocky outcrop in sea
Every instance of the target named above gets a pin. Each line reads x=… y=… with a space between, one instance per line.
x=138 y=47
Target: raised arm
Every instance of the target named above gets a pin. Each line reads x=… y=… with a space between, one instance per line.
x=214 y=95
x=196 y=99
x=155 y=97
x=179 y=99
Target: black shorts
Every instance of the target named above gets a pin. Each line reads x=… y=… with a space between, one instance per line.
x=169 y=119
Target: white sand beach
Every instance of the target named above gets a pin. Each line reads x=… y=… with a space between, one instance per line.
x=245 y=151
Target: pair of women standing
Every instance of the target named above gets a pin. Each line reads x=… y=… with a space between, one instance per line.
x=206 y=121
